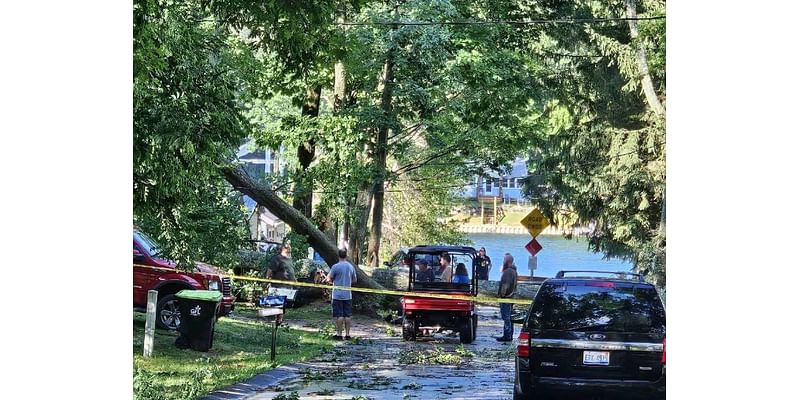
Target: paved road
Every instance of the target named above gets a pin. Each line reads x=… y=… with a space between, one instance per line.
x=372 y=368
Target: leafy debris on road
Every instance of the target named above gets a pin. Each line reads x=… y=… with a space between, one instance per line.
x=436 y=356
x=377 y=383
x=289 y=396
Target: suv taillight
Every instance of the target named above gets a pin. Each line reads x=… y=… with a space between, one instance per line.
x=523 y=349
x=664 y=353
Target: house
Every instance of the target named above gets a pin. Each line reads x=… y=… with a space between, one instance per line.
x=264 y=226
x=507 y=187
x=259 y=164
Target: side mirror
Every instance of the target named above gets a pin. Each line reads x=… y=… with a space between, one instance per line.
x=137 y=255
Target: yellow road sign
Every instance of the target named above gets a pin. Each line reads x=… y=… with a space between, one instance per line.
x=535 y=222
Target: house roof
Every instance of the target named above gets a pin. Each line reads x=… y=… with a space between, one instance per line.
x=266 y=215
x=258 y=155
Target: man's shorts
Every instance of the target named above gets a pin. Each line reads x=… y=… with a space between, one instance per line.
x=342 y=308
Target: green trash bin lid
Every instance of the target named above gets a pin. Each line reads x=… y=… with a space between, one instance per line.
x=205 y=295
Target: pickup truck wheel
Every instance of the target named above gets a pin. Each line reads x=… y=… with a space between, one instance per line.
x=168 y=315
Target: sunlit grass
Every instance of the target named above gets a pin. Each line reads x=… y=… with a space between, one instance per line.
x=240 y=350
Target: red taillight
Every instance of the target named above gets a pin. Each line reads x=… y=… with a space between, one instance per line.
x=601 y=284
x=523 y=349
x=664 y=353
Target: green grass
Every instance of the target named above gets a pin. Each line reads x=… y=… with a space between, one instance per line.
x=240 y=351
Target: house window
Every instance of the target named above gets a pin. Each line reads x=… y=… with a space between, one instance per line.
x=273 y=162
x=488 y=185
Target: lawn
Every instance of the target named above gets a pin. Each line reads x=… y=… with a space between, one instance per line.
x=240 y=351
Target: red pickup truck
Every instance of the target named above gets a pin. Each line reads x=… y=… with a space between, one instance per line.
x=152 y=272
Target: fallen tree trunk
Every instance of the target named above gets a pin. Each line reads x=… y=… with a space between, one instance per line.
x=264 y=196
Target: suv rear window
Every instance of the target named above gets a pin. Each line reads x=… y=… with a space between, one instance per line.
x=598 y=306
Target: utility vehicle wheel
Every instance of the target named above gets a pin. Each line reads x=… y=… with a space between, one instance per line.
x=467 y=332
x=409 y=330
x=168 y=315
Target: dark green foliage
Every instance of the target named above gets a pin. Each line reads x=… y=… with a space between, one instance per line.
x=465 y=99
x=187 y=90
x=600 y=160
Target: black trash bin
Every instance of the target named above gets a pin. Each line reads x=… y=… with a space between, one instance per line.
x=198 y=315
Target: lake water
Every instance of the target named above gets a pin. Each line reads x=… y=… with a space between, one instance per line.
x=557 y=253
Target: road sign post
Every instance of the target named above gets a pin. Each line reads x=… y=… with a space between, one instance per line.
x=532 y=264
x=535 y=222
x=533 y=247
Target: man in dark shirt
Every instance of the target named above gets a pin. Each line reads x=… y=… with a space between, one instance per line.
x=508 y=284
x=484 y=265
x=280 y=267
x=423 y=273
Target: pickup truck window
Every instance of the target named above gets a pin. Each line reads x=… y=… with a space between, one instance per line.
x=148 y=245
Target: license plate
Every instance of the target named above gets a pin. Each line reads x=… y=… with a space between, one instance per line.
x=595 y=357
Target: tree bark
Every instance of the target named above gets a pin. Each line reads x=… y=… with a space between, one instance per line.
x=358 y=233
x=340 y=100
x=381 y=149
x=264 y=196
x=641 y=61
x=304 y=186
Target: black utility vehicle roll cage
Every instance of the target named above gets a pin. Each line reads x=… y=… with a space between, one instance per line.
x=437 y=251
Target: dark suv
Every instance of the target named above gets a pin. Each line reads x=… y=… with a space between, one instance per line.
x=595 y=336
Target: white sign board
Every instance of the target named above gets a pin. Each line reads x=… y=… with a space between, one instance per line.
x=289 y=293
x=269 y=312
x=532 y=263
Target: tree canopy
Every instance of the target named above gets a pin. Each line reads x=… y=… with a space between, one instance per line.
x=386 y=109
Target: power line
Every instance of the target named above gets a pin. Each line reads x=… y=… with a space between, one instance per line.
x=503 y=22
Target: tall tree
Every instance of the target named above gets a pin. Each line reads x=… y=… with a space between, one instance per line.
x=185 y=116
x=304 y=186
x=600 y=159
x=380 y=150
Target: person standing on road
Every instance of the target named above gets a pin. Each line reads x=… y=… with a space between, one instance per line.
x=281 y=267
x=508 y=284
x=342 y=274
x=484 y=265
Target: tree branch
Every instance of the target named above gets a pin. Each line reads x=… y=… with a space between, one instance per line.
x=413 y=166
x=641 y=61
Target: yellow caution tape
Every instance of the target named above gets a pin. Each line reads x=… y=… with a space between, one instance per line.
x=479 y=299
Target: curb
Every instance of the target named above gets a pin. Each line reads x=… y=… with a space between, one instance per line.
x=256 y=384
